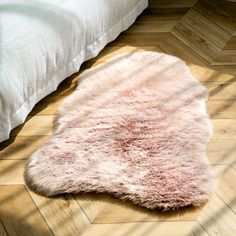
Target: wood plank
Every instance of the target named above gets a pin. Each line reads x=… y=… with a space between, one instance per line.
x=226 y=188
x=225 y=57
x=215 y=14
x=63 y=214
x=234 y=165
x=47 y=106
x=200 y=69
x=227 y=69
x=103 y=208
x=206 y=27
x=198 y=230
x=118 y=212
x=140 y=39
x=91 y=204
x=163 y=14
x=231 y=44
x=195 y=41
x=171 y=3
x=218 y=171
x=224 y=90
x=12 y=172
x=229 y=8
x=2 y=230
x=153 y=26
x=222 y=108
x=20 y=147
x=18 y=213
x=224 y=129
x=139 y=229
x=166 y=10
x=35 y=126
x=221 y=151
x=173 y=46
x=217 y=218
x=208 y=74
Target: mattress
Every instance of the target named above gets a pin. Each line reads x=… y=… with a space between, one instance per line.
x=45 y=41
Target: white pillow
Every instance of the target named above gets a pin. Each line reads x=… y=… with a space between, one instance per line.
x=45 y=41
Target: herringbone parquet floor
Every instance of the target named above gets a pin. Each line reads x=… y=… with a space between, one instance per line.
x=204 y=36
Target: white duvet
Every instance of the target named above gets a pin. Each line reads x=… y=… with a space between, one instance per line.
x=44 y=41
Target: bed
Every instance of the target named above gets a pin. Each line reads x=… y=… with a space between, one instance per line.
x=44 y=41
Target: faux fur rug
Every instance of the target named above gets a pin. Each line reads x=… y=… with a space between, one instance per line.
x=136 y=127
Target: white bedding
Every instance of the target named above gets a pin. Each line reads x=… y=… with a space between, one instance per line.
x=44 y=41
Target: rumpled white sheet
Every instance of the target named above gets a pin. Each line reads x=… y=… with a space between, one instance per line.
x=44 y=41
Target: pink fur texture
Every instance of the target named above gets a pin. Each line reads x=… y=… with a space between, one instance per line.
x=136 y=127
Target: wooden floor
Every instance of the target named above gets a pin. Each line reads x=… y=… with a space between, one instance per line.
x=204 y=37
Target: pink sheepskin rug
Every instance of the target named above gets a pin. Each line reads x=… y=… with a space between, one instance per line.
x=136 y=127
